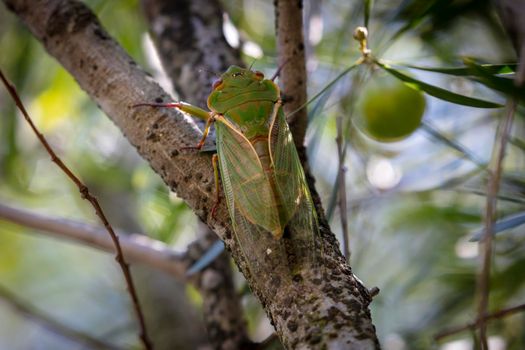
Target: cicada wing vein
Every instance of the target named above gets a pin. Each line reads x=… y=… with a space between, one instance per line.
x=293 y=190
x=263 y=253
x=249 y=188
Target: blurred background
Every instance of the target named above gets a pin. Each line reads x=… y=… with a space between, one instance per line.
x=412 y=206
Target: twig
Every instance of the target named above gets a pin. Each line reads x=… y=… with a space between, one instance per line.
x=473 y=325
x=84 y=192
x=341 y=185
x=136 y=247
x=483 y=287
x=51 y=324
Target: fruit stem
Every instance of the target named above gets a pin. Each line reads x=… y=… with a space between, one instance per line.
x=361 y=35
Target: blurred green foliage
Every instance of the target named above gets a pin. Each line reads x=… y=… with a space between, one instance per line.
x=412 y=205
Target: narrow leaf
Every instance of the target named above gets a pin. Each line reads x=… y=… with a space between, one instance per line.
x=506 y=223
x=326 y=88
x=502 y=68
x=368 y=7
x=486 y=77
x=439 y=92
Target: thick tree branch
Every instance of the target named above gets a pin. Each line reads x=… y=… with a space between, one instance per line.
x=323 y=307
x=188 y=36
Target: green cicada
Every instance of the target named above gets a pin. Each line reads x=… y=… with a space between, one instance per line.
x=262 y=177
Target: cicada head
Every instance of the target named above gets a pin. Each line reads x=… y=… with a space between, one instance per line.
x=239 y=85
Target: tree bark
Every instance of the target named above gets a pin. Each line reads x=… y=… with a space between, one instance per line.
x=324 y=307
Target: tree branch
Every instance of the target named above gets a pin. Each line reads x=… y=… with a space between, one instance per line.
x=136 y=248
x=323 y=307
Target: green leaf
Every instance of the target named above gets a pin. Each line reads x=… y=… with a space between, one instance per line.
x=503 y=68
x=498 y=77
x=437 y=91
x=368 y=8
x=485 y=75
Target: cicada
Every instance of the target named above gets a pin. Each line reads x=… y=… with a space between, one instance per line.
x=262 y=177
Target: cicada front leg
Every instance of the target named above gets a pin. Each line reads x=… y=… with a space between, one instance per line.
x=191 y=110
x=209 y=122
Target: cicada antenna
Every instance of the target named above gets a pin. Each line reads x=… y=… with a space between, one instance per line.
x=253 y=62
x=279 y=69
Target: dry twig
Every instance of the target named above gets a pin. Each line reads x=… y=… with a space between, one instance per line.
x=490 y=213
x=473 y=325
x=341 y=186
x=84 y=192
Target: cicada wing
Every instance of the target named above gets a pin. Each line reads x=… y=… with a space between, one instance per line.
x=258 y=246
x=293 y=190
x=264 y=254
x=249 y=189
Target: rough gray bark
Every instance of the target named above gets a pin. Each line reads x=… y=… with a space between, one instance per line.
x=188 y=36
x=325 y=307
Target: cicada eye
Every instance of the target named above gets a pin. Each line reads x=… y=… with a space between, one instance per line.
x=259 y=75
x=237 y=74
x=216 y=83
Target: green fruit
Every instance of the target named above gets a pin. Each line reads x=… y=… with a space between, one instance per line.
x=388 y=109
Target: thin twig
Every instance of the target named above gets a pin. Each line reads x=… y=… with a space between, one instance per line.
x=136 y=247
x=483 y=287
x=84 y=192
x=51 y=324
x=473 y=325
x=341 y=186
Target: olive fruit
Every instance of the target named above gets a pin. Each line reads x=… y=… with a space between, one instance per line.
x=388 y=109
